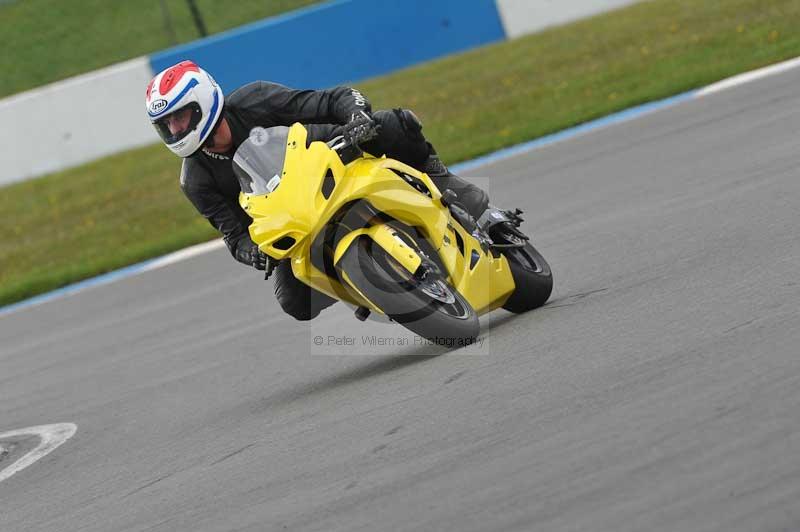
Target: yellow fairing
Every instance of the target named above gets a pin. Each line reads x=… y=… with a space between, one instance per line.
x=386 y=238
x=288 y=220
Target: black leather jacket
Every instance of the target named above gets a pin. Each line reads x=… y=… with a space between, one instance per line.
x=207 y=178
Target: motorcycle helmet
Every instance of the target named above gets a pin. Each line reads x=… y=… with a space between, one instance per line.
x=184 y=104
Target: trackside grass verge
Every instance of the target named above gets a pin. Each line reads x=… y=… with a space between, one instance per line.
x=126 y=208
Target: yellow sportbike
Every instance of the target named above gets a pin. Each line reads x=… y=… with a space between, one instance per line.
x=380 y=235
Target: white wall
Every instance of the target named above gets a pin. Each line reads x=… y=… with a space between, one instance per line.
x=74 y=121
x=526 y=16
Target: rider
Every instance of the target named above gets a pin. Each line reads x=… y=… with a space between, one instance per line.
x=198 y=123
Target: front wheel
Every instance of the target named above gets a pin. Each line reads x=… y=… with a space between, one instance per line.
x=426 y=305
x=533 y=279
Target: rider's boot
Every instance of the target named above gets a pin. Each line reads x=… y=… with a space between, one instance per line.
x=474 y=199
x=493 y=221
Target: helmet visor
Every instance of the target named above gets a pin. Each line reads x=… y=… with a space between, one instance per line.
x=176 y=125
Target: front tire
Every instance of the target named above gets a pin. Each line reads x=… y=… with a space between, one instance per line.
x=429 y=307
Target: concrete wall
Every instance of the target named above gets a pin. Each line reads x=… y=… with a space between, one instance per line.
x=74 y=121
x=527 y=16
x=101 y=113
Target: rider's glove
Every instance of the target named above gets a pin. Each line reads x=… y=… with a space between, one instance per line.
x=361 y=128
x=248 y=253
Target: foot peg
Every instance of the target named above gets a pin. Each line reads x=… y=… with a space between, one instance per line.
x=501 y=226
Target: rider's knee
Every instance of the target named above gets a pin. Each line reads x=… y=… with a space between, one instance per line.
x=410 y=122
x=410 y=126
x=400 y=137
x=400 y=121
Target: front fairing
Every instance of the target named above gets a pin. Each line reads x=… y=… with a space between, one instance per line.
x=288 y=205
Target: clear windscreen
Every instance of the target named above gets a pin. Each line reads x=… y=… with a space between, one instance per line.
x=258 y=162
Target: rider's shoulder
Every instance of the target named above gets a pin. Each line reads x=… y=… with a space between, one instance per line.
x=253 y=91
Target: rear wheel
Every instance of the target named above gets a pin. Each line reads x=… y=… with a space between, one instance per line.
x=424 y=303
x=532 y=276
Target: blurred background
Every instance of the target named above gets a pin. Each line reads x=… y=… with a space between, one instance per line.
x=86 y=188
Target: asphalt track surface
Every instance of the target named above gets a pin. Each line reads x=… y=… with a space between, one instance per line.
x=658 y=390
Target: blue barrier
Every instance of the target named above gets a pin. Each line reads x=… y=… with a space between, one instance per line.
x=323 y=45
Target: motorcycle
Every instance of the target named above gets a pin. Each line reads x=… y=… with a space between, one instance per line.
x=379 y=235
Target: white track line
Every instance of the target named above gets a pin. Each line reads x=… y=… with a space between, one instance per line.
x=747 y=77
x=116 y=275
x=51 y=437
x=183 y=254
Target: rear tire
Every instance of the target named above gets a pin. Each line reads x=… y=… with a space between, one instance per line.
x=532 y=277
x=408 y=300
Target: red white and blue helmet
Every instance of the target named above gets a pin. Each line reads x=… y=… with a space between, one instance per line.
x=179 y=87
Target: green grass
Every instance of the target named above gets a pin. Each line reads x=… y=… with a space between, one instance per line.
x=519 y=90
x=126 y=208
x=48 y=40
